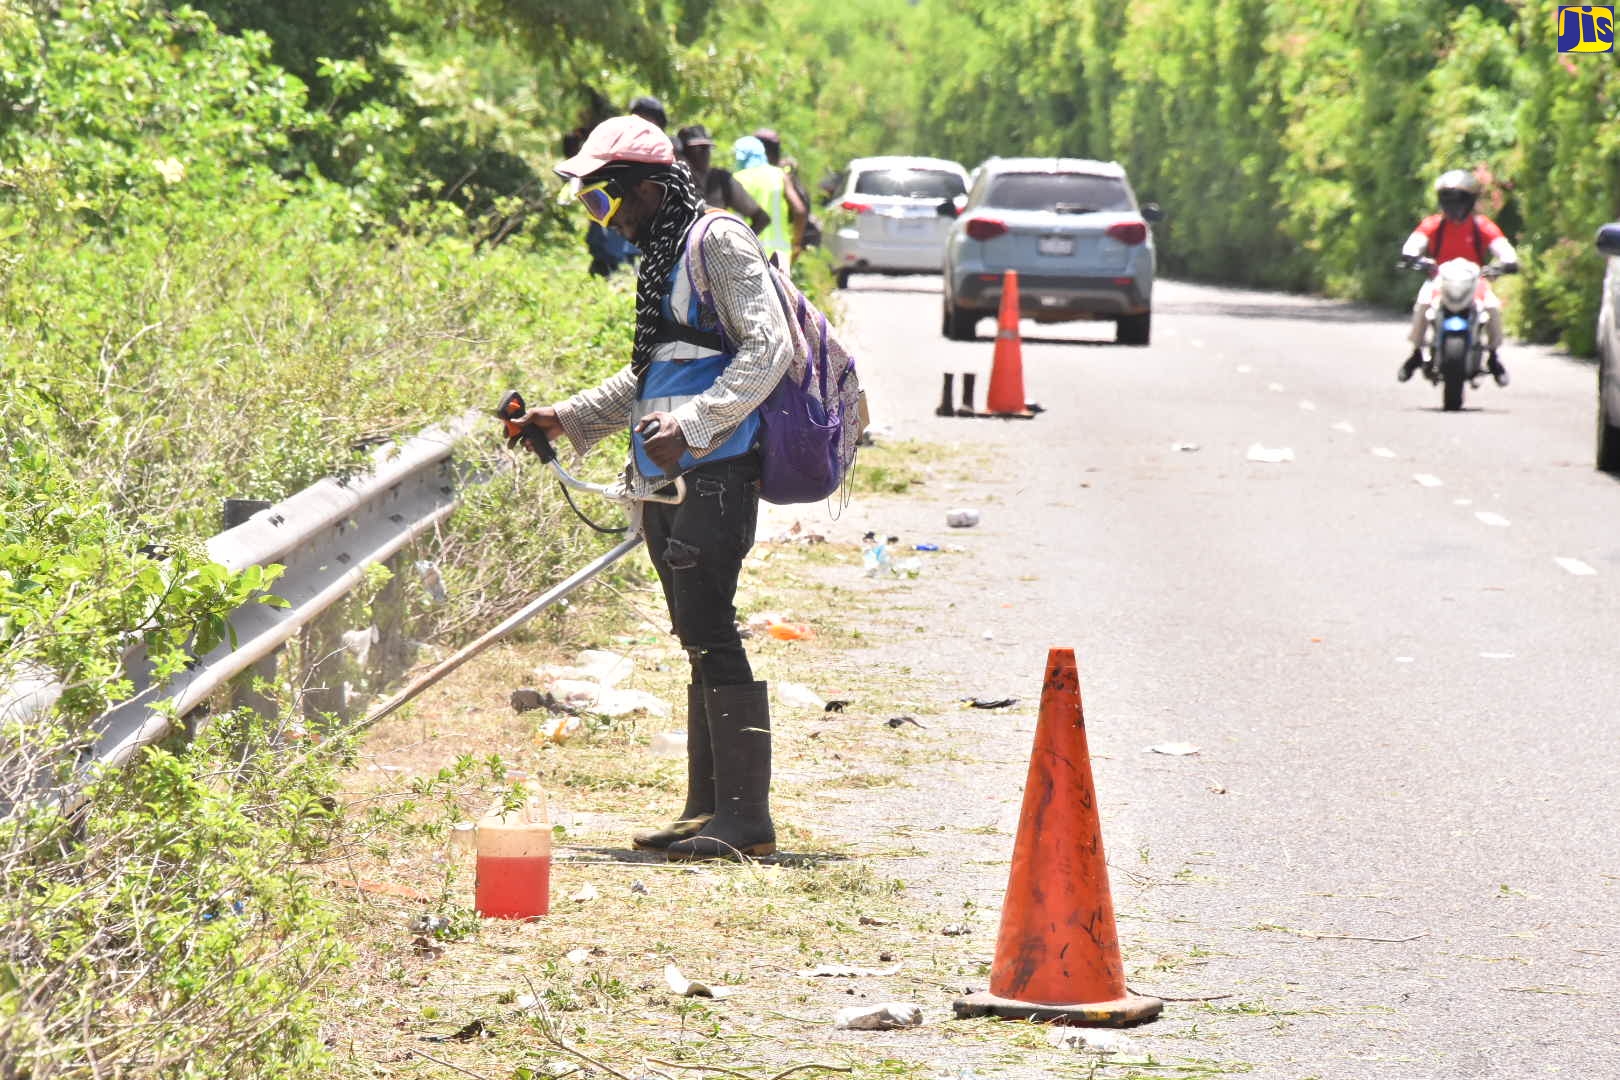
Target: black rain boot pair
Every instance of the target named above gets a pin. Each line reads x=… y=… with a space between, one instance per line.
x=1410 y=365
x=740 y=734
x=699 y=780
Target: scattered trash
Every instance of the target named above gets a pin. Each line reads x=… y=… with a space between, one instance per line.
x=577 y=956
x=956 y=929
x=990 y=703
x=432 y=925
x=1270 y=455
x=900 y=721
x=529 y=699
x=1092 y=1039
x=467 y=1033
x=925 y=547
x=963 y=517
x=559 y=730
x=464 y=836
x=798 y=696
x=585 y=895
x=585 y=696
x=681 y=986
x=1174 y=749
x=359 y=642
x=873 y=920
x=909 y=567
x=668 y=744
x=592 y=665
x=884 y=1017
x=426 y=947
x=875 y=557
x=844 y=971
x=432 y=582
x=1345 y=426
x=836 y=705
x=1217 y=789
x=638 y=887
x=782 y=631
x=1185 y=447
x=988 y=635
x=797 y=534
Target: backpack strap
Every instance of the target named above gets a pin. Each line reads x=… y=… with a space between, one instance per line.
x=670 y=330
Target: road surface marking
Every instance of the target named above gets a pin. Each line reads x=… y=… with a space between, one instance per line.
x=1382 y=451
x=1308 y=406
x=1574 y=566
x=1491 y=517
x=1345 y=426
x=1426 y=479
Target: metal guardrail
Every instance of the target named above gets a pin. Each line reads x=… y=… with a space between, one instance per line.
x=326 y=537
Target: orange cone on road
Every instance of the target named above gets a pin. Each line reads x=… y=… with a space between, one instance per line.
x=1057 y=957
x=1006 y=395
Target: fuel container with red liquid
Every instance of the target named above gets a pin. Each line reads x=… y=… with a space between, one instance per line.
x=513 y=876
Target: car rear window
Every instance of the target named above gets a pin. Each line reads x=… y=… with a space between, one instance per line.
x=1073 y=193
x=910 y=183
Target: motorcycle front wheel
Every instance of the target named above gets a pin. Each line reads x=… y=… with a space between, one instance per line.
x=1453 y=371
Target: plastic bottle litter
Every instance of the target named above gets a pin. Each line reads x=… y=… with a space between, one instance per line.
x=925 y=547
x=668 y=744
x=875 y=557
x=797 y=696
x=559 y=729
x=514 y=862
x=963 y=517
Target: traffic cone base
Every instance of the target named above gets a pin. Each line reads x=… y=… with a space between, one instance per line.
x=1124 y=1012
x=1057 y=953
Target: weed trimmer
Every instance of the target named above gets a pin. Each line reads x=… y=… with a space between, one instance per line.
x=512 y=410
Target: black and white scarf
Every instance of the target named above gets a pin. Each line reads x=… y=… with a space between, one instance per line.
x=683 y=204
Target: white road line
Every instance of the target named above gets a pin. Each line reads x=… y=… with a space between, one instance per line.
x=1427 y=479
x=1383 y=452
x=1345 y=426
x=1574 y=566
x=1308 y=406
x=1491 y=517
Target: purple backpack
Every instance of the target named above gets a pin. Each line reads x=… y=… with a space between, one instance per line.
x=811 y=424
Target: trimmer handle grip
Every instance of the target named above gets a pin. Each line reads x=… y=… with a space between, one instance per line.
x=511 y=412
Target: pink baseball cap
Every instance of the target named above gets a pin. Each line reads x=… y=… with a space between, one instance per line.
x=619 y=140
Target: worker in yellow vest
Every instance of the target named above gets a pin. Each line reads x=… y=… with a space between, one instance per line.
x=769 y=186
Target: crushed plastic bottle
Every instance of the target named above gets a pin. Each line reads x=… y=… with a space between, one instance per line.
x=875 y=558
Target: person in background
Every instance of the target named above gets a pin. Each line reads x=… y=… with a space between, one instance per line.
x=651 y=110
x=700 y=368
x=769 y=186
x=720 y=189
x=810 y=234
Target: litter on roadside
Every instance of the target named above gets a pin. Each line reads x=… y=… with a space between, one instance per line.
x=681 y=986
x=901 y=721
x=956 y=929
x=585 y=895
x=1174 y=749
x=990 y=703
x=798 y=696
x=886 y=1016
x=577 y=956
x=1096 y=1041
x=962 y=517
x=836 y=705
x=845 y=971
x=1185 y=447
x=797 y=534
x=668 y=744
x=1270 y=455
x=559 y=730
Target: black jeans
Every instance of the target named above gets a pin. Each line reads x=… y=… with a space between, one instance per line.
x=697 y=547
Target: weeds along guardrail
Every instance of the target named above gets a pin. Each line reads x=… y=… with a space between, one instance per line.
x=327 y=537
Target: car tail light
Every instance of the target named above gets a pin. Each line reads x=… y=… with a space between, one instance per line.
x=986 y=228
x=1129 y=233
x=856 y=207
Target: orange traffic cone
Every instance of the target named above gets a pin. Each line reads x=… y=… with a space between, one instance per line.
x=1057 y=957
x=1006 y=395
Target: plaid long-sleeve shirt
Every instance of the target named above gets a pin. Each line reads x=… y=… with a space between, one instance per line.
x=756 y=329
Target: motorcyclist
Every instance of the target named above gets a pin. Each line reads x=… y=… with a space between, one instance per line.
x=1458 y=233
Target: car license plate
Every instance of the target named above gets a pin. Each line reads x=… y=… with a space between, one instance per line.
x=1055 y=245
x=913 y=227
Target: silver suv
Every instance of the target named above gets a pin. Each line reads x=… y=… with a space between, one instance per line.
x=1072 y=229
x=892 y=214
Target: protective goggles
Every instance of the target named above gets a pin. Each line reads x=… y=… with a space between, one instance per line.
x=601 y=201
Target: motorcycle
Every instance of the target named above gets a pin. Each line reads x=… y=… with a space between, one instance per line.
x=1458 y=324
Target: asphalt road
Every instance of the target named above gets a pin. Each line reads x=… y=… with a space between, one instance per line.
x=1398 y=847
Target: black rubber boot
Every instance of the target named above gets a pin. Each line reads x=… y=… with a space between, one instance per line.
x=1498 y=372
x=740 y=731
x=1410 y=365
x=945 y=406
x=699 y=780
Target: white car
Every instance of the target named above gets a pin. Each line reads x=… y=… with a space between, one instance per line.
x=1608 y=343
x=892 y=215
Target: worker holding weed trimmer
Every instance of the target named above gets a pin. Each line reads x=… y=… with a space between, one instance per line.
x=703 y=361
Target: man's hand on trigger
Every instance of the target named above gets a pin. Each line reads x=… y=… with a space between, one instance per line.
x=666 y=446
x=545 y=418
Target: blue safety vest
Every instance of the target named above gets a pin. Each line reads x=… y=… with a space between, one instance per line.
x=686 y=361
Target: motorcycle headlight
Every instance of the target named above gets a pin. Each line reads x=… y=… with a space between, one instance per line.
x=1458 y=279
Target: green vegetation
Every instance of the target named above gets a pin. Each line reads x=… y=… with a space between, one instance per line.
x=246 y=241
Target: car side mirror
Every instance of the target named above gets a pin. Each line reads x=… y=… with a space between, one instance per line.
x=1152 y=212
x=1608 y=238
x=948 y=208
